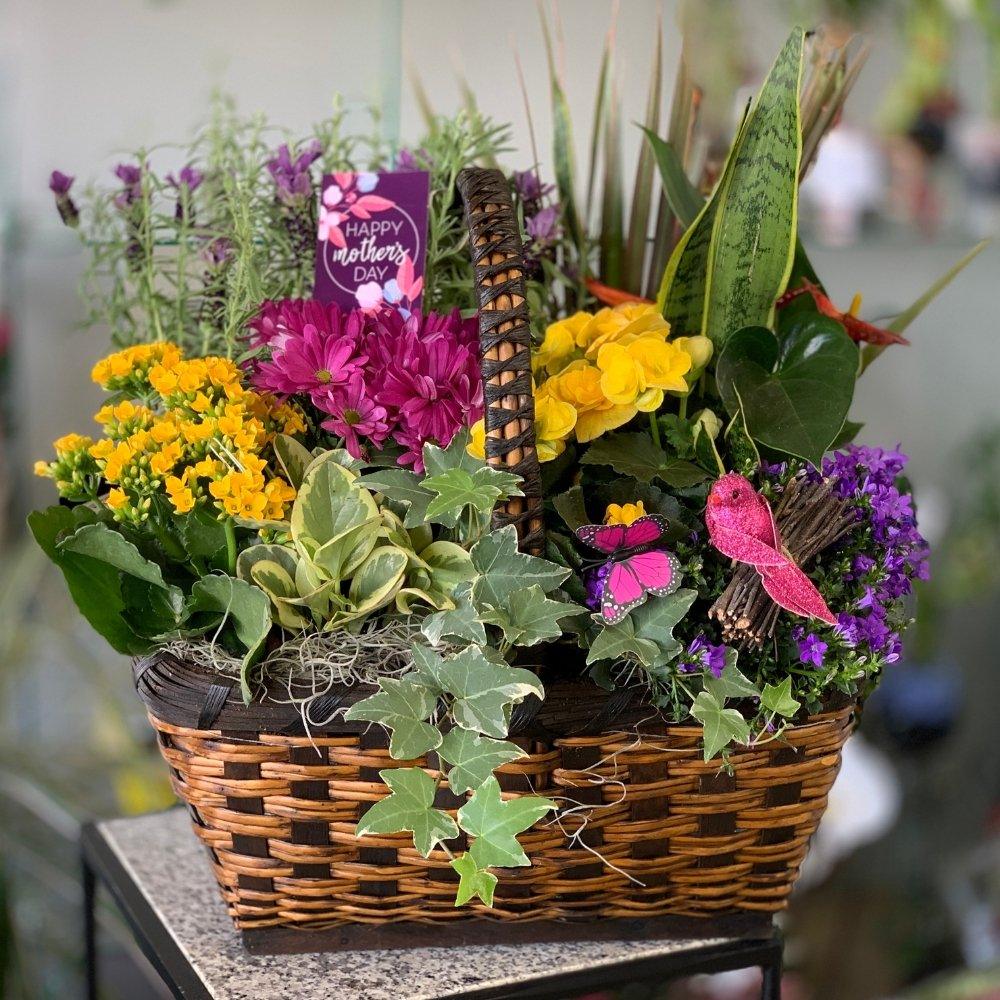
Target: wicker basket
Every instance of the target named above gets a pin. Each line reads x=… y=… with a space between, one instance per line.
x=665 y=834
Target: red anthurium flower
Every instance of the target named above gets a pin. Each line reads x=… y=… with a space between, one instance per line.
x=857 y=329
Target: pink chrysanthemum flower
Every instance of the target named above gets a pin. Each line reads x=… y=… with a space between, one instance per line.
x=356 y=415
x=426 y=373
x=315 y=348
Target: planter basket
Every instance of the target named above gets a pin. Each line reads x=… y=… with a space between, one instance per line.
x=662 y=834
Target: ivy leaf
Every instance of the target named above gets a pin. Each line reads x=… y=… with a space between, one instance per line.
x=528 y=617
x=473 y=758
x=403 y=707
x=722 y=725
x=458 y=489
x=495 y=824
x=503 y=570
x=483 y=690
x=473 y=881
x=733 y=683
x=637 y=455
x=409 y=807
x=438 y=460
x=404 y=487
x=647 y=632
x=778 y=698
x=460 y=622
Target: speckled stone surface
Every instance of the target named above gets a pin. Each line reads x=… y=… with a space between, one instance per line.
x=171 y=868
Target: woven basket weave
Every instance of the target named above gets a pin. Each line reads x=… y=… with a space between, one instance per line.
x=662 y=833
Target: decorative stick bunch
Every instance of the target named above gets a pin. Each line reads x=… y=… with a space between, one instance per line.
x=810 y=518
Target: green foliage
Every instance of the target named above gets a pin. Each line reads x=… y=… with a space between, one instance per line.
x=777 y=698
x=474 y=881
x=409 y=807
x=347 y=559
x=495 y=824
x=722 y=725
x=403 y=707
x=457 y=489
x=461 y=622
x=637 y=455
x=793 y=394
x=527 y=617
x=646 y=634
x=502 y=569
x=473 y=758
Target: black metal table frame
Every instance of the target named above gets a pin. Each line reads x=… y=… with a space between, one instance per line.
x=101 y=865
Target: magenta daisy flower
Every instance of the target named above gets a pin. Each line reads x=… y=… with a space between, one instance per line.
x=315 y=348
x=427 y=375
x=354 y=415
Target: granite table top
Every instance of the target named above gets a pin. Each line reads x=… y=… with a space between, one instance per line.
x=171 y=869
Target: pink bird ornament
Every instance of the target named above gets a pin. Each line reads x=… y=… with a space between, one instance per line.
x=741 y=526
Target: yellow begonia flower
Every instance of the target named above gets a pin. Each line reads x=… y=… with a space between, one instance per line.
x=477 y=440
x=560 y=343
x=710 y=422
x=624 y=513
x=622 y=325
x=554 y=422
x=579 y=384
x=698 y=349
x=639 y=372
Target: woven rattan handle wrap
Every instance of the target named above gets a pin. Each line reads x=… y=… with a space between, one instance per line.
x=504 y=347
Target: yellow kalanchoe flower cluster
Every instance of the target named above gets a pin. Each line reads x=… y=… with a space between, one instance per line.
x=611 y=365
x=191 y=431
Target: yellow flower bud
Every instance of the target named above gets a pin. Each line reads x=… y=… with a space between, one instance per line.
x=624 y=513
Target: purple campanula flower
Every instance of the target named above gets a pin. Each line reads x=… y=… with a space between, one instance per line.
x=702 y=654
x=812 y=650
x=594 y=582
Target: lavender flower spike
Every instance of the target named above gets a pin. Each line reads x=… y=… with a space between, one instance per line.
x=59 y=185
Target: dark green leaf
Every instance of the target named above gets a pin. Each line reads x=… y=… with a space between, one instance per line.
x=635 y=454
x=722 y=725
x=495 y=824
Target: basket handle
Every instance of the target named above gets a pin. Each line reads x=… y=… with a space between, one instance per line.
x=504 y=347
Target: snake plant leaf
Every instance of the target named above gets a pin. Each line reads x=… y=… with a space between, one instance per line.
x=403 y=707
x=794 y=395
x=682 y=196
x=564 y=159
x=473 y=881
x=636 y=248
x=503 y=569
x=410 y=806
x=473 y=758
x=637 y=455
x=528 y=617
x=753 y=235
x=722 y=725
x=461 y=622
x=611 y=243
x=495 y=825
x=683 y=289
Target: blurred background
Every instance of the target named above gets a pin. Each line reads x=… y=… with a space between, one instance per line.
x=902 y=894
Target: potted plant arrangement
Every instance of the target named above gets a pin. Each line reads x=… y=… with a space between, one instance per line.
x=540 y=598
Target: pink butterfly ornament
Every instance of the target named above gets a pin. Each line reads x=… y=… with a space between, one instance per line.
x=741 y=526
x=636 y=568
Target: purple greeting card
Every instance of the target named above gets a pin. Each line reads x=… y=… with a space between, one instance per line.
x=372 y=239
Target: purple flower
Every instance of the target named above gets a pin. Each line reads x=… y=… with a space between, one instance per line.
x=355 y=415
x=217 y=251
x=408 y=159
x=529 y=186
x=59 y=185
x=291 y=175
x=543 y=226
x=812 y=650
x=594 y=582
x=189 y=177
x=702 y=654
x=130 y=174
